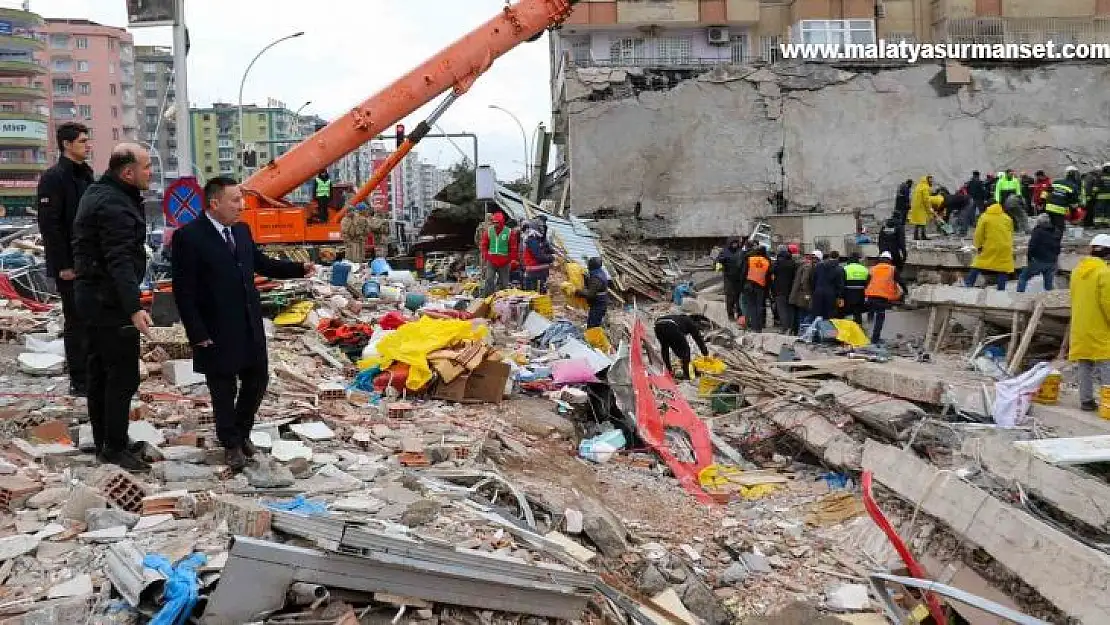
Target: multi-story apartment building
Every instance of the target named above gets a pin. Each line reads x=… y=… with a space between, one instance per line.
x=91 y=79
x=268 y=132
x=24 y=130
x=155 y=98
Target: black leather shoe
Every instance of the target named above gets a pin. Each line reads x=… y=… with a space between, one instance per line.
x=1088 y=406
x=235 y=459
x=124 y=460
x=249 y=449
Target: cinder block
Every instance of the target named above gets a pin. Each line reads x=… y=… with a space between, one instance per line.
x=123 y=490
x=15 y=490
x=180 y=373
x=244 y=517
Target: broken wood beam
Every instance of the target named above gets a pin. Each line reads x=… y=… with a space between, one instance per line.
x=1072 y=576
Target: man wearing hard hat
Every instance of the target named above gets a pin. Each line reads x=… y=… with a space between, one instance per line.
x=1098 y=197
x=1090 y=322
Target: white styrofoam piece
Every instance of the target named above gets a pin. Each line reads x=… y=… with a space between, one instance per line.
x=1079 y=450
x=573 y=348
x=313 y=431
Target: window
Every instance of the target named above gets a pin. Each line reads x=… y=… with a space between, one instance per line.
x=226 y=154
x=900 y=37
x=151 y=121
x=150 y=84
x=111 y=68
x=150 y=68
x=112 y=88
x=207 y=117
x=151 y=110
x=835 y=31
x=580 y=51
x=626 y=49
x=115 y=134
x=738 y=46
x=674 y=50
x=115 y=112
x=769 y=49
x=208 y=169
x=111 y=44
x=208 y=143
x=61 y=65
x=85 y=111
x=82 y=43
x=150 y=93
x=82 y=66
x=59 y=41
x=62 y=87
x=261 y=117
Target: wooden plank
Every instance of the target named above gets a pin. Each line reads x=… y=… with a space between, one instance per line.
x=1082 y=498
x=1074 y=577
x=929 y=327
x=1079 y=450
x=1015 y=331
x=1026 y=338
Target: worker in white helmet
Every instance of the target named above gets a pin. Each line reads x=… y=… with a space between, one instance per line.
x=1089 y=343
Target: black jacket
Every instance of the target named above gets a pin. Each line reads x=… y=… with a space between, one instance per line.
x=782 y=274
x=735 y=265
x=978 y=192
x=902 y=199
x=687 y=327
x=828 y=278
x=108 y=252
x=1044 y=244
x=60 y=190
x=216 y=297
x=892 y=238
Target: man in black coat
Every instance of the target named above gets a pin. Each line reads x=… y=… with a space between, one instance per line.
x=782 y=280
x=733 y=260
x=60 y=189
x=110 y=261
x=828 y=286
x=214 y=262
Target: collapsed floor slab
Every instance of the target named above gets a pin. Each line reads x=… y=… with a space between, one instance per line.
x=1074 y=577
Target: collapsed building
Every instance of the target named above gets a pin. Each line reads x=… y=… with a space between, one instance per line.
x=693 y=153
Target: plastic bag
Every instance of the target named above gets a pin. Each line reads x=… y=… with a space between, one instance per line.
x=181 y=591
x=1013 y=397
x=848 y=331
x=572 y=371
x=412 y=342
x=596 y=339
x=708 y=364
x=56 y=346
x=576 y=277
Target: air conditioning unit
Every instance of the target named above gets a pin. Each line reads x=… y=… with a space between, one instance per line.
x=718 y=35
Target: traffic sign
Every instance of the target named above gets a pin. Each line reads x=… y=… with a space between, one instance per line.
x=183 y=202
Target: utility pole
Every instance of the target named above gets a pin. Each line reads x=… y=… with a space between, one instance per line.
x=180 y=69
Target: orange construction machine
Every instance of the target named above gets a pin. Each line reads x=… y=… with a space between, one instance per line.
x=273 y=220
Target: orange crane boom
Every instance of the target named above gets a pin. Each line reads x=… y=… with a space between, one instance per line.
x=456 y=67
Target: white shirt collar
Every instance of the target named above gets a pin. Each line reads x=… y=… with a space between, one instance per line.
x=219 y=226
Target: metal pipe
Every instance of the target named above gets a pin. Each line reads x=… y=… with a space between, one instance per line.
x=523 y=136
x=181 y=82
x=301 y=593
x=243 y=82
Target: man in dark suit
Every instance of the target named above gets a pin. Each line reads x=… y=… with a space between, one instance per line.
x=109 y=258
x=214 y=262
x=60 y=189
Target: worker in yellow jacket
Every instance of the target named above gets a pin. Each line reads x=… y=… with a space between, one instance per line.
x=921 y=207
x=994 y=245
x=1089 y=343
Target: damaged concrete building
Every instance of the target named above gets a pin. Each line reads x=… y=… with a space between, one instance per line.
x=681 y=114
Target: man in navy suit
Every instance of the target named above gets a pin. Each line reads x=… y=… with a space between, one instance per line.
x=214 y=262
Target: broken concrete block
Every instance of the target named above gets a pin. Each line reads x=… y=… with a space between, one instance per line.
x=313 y=431
x=181 y=453
x=17 y=545
x=573 y=521
x=85 y=440
x=145 y=432
x=267 y=473
x=699 y=599
x=847 y=597
x=651 y=581
x=180 y=373
x=103 y=518
x=106 y=535
x=182 y=471
x=420 y=513
x=77 y=586
x=285 y=451
x=80 y=499
x=243 y=516
x=37 y=363
x=605 y=530
x=16 y=491
x=261 y=440
x=736 y=573
x=150 y=522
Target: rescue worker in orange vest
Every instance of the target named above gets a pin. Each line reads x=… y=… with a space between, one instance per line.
x=755 y=287
x=883 y=291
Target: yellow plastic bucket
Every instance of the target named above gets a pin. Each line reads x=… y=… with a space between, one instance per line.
x=707 y=384
x=1104 y=402
x=1049 y=392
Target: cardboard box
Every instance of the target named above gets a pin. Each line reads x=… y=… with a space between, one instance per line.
x=486 y=384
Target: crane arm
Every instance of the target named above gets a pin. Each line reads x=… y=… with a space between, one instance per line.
x=455 y=67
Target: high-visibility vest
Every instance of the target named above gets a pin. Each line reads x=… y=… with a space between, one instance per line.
x=1060 y=196
x=757 y=270
x=498 y=243
x=1006 y=185
x=855 y=272
x=1102 y=188
x=882 y=283
x=323 y=188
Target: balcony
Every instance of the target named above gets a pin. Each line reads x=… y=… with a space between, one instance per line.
x=18 y=93
x=658 y=11
x=21 y=42
x=24 y=163
x=21 y=68
x=1007 y=30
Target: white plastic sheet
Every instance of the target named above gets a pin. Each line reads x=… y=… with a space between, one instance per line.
x=1013 y=397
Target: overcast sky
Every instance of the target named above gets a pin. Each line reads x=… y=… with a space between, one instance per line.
x=350 y=50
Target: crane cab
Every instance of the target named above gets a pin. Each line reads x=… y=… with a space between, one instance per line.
x=289 y=224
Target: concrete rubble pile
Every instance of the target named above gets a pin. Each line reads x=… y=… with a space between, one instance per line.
x=429 y=456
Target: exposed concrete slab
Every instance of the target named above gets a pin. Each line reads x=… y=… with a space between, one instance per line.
x=819 y=436
x=1057 y=303
x=1082 y=498
x=881 y=412
x=1074 y=577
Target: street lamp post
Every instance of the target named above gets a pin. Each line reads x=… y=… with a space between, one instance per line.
x=523 y=137
x=242 y=144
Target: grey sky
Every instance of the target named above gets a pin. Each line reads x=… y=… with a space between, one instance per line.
x=350 y=50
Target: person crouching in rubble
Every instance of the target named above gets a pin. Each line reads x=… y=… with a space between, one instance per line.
x=671 y=332
x=1089 y=342
x=596 y=293
x=994 y=242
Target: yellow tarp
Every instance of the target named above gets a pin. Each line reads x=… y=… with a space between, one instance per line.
x=596 y=339
x=708 y=364
x=294 y=315
x=848 y=331
x=412 y=342
x=576 y=279
x=721 y=478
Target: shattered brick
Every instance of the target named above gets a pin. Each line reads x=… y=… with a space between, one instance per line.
x=15 y=490
x=123 y=490
x=243 y=516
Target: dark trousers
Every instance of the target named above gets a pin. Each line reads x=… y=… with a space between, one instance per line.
x=786 y=313
x=878 y=307
x=671 y=339
x=823 y=305
x=235 y=401
x=755 y=305
x=76 y=337
x=919 y=233
x=732 y=298
x=1097 y=209
x=596 y=314
x=113 y=377
x=322 y=209
x=536 y=281
x=853 y=304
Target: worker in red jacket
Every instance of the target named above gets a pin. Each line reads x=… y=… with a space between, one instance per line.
x=499 y=247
